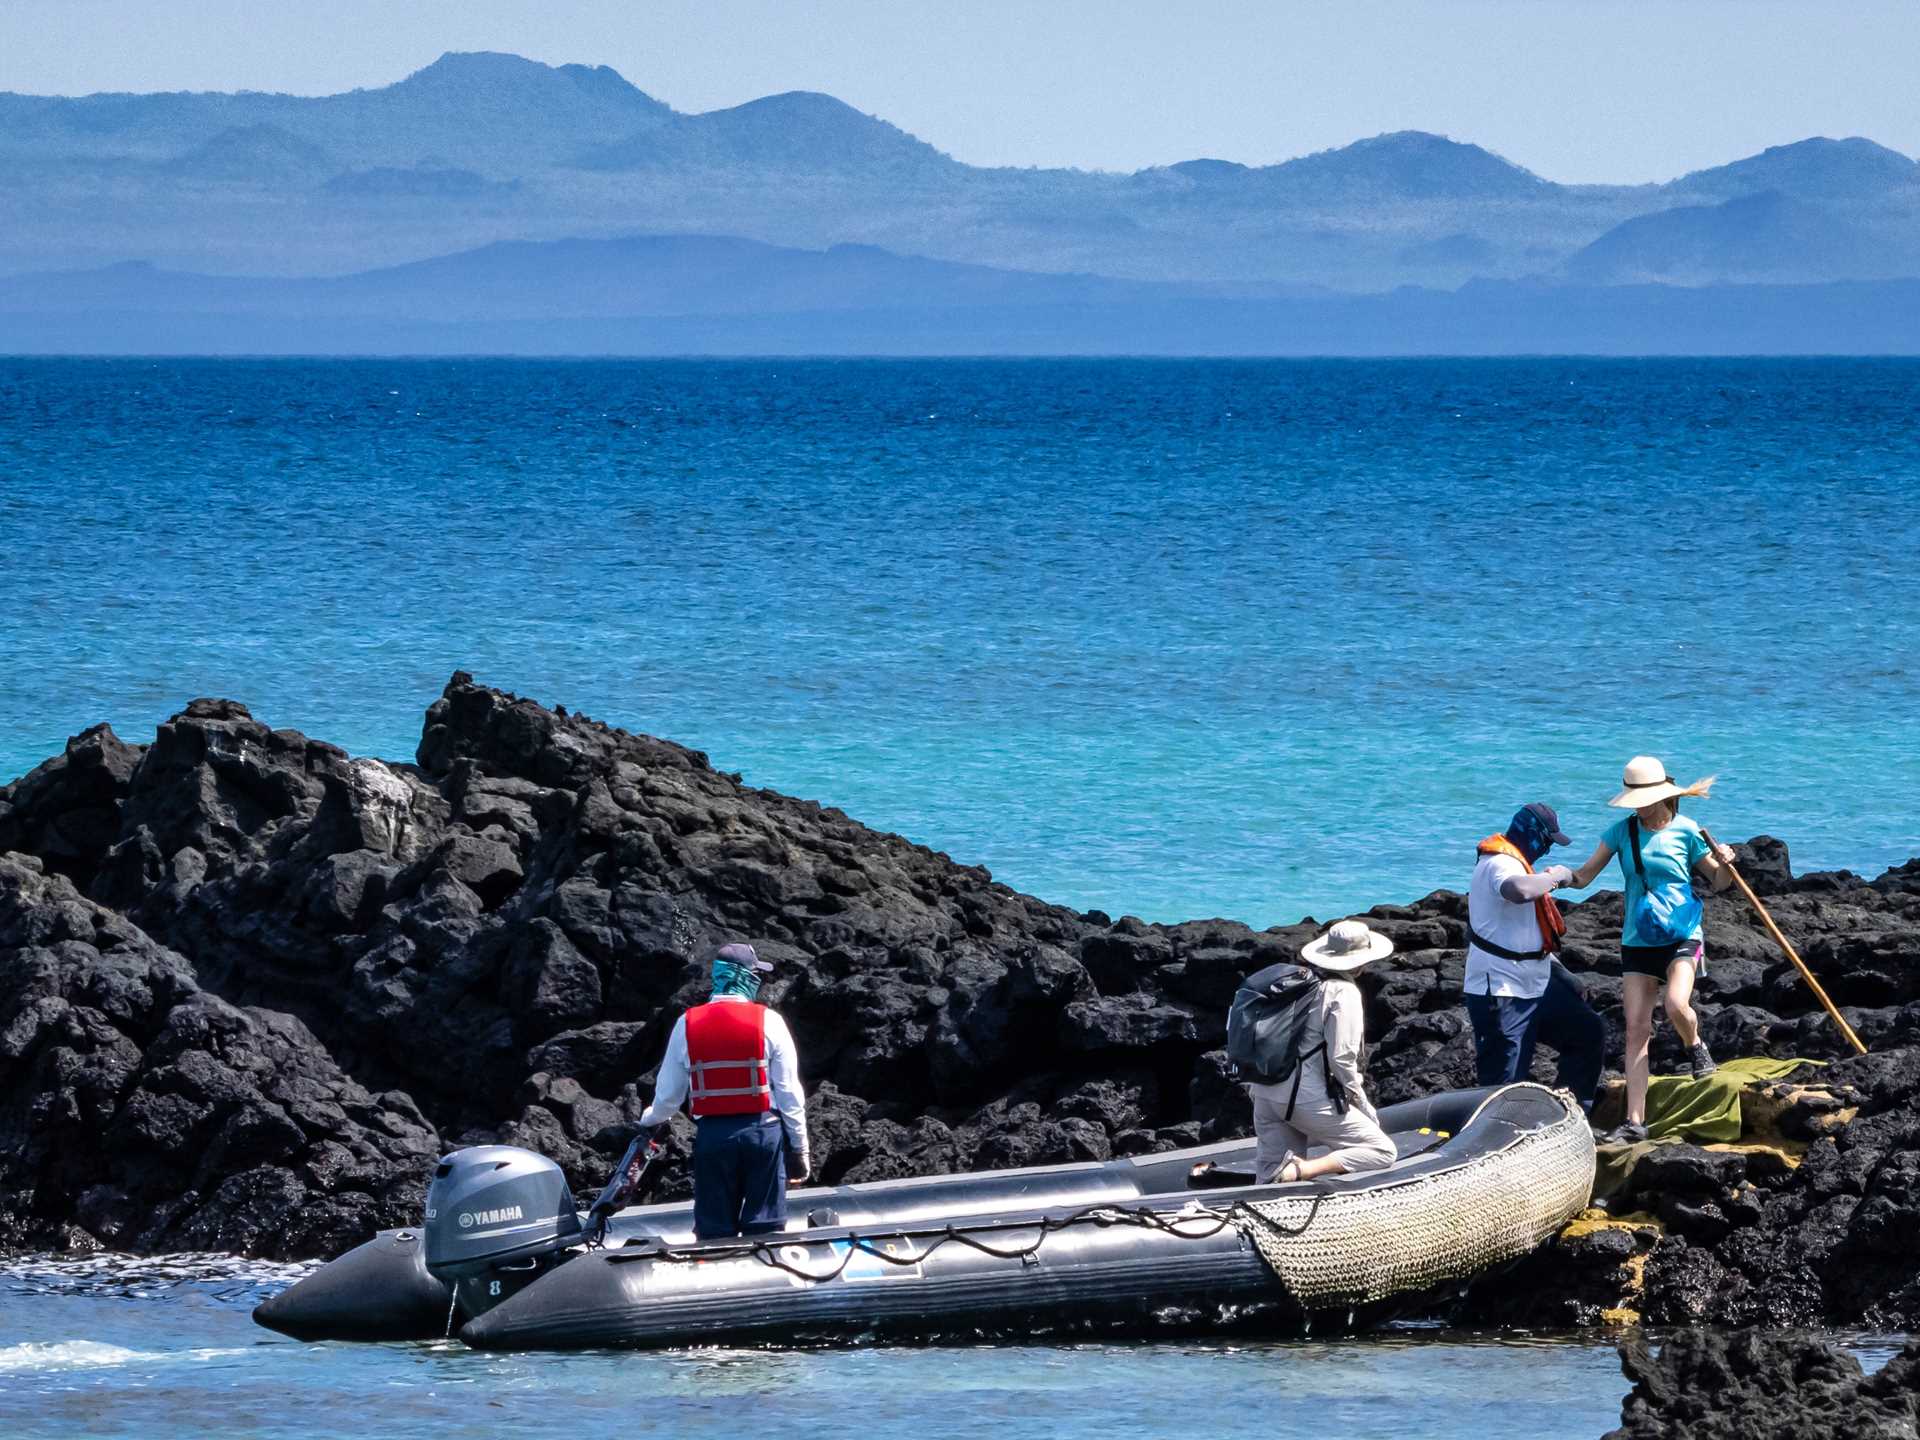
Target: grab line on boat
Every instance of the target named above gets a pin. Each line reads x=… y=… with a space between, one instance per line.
x=1098 y=1215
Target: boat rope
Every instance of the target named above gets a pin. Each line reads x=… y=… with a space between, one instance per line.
x=1179 y=1226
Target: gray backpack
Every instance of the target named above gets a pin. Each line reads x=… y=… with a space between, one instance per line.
x=1273 y=1029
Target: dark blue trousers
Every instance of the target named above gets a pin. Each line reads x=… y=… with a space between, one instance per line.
x=1505 y=1027
x=739 y=1175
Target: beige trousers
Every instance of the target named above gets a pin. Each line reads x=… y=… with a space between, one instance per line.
x=1352 y=1137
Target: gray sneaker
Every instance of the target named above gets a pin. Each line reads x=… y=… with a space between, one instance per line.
x=1702 y=1062
x=1627 y=1133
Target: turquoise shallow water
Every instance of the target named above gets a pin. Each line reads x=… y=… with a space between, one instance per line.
x=180 y=1357
x=166 y=1349
x=1179 y=639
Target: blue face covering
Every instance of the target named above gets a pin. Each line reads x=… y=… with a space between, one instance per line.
x=732 y=979
x=1530 y=833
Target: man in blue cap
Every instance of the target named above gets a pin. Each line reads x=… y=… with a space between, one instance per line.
x=733 y=1064
x=1516 y=989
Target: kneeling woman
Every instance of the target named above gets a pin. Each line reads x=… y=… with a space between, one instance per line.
x=1661 y=944
x=1325 y=1104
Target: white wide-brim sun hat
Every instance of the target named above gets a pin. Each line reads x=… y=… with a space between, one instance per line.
x=1647 y=782
x=1347 y=945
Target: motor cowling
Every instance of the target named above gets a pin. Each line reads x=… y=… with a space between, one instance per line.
x=490 y=1205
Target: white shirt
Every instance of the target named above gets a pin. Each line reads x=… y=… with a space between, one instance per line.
x=1510 y=926
x=783 y=1078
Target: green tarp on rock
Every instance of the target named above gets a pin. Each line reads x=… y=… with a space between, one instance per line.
x=1706 y=1112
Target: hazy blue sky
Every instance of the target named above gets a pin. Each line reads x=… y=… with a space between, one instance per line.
x=1619 y=90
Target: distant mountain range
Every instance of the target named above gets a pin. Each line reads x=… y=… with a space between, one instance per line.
x=637 y=276
x=673 y=295
x=496 y=204
x=1753 y=239
x=480 y=148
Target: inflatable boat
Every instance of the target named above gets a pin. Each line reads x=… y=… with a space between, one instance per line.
x=1179 y=1241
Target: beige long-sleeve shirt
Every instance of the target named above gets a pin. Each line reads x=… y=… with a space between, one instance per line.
x=1343 y=1023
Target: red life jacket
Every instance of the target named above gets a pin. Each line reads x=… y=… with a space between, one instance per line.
x=727 y=1059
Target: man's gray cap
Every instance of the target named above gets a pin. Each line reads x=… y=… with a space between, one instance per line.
x=742 y=955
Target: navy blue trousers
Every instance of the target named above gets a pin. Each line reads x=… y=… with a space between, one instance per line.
x=1505 y=1027
x=739 y=1175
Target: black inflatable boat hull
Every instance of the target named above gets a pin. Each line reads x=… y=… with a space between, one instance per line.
x=1080 y=1280
x=1168 y=1261
x=1171 y=1263
x=382 y=1290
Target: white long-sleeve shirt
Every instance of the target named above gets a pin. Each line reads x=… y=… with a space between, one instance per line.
x=783 y=1078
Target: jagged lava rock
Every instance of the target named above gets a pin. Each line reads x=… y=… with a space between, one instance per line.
x=1748 y=1385
x=497 y=937
x=153 y=1115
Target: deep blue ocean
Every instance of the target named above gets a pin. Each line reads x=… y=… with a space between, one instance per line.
x=1175 y=639
x=1178 y=639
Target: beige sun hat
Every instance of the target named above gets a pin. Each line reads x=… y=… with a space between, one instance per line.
x=1647 y=782
x=1347 y=945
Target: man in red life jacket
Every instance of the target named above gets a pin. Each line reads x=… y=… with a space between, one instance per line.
x=732 y=1063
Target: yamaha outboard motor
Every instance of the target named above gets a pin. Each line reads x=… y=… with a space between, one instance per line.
x=497 y=1218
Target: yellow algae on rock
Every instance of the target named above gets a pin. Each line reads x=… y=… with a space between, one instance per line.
x=1644 y=1231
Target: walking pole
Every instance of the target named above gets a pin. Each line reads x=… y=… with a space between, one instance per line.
x=1798 y=963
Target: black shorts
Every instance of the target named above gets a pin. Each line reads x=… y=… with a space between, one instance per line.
x=1653 y=960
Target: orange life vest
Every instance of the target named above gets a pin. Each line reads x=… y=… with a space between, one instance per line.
x=1546 y=909
x=727 y=1070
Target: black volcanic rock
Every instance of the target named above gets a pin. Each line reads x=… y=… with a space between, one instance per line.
x=67 y=809
x=1749 y=1385
x=245 y=975
x=145 y=1113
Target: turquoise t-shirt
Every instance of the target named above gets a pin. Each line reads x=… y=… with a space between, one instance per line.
x=1669 y=854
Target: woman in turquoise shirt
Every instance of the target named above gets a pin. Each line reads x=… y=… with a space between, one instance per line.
x=1671 y=849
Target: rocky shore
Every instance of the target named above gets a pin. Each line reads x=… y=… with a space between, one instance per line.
x=251 y=986
x=1749 y=1385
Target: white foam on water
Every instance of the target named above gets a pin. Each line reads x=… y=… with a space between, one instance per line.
x=63 y=1355
x=54 y=1355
